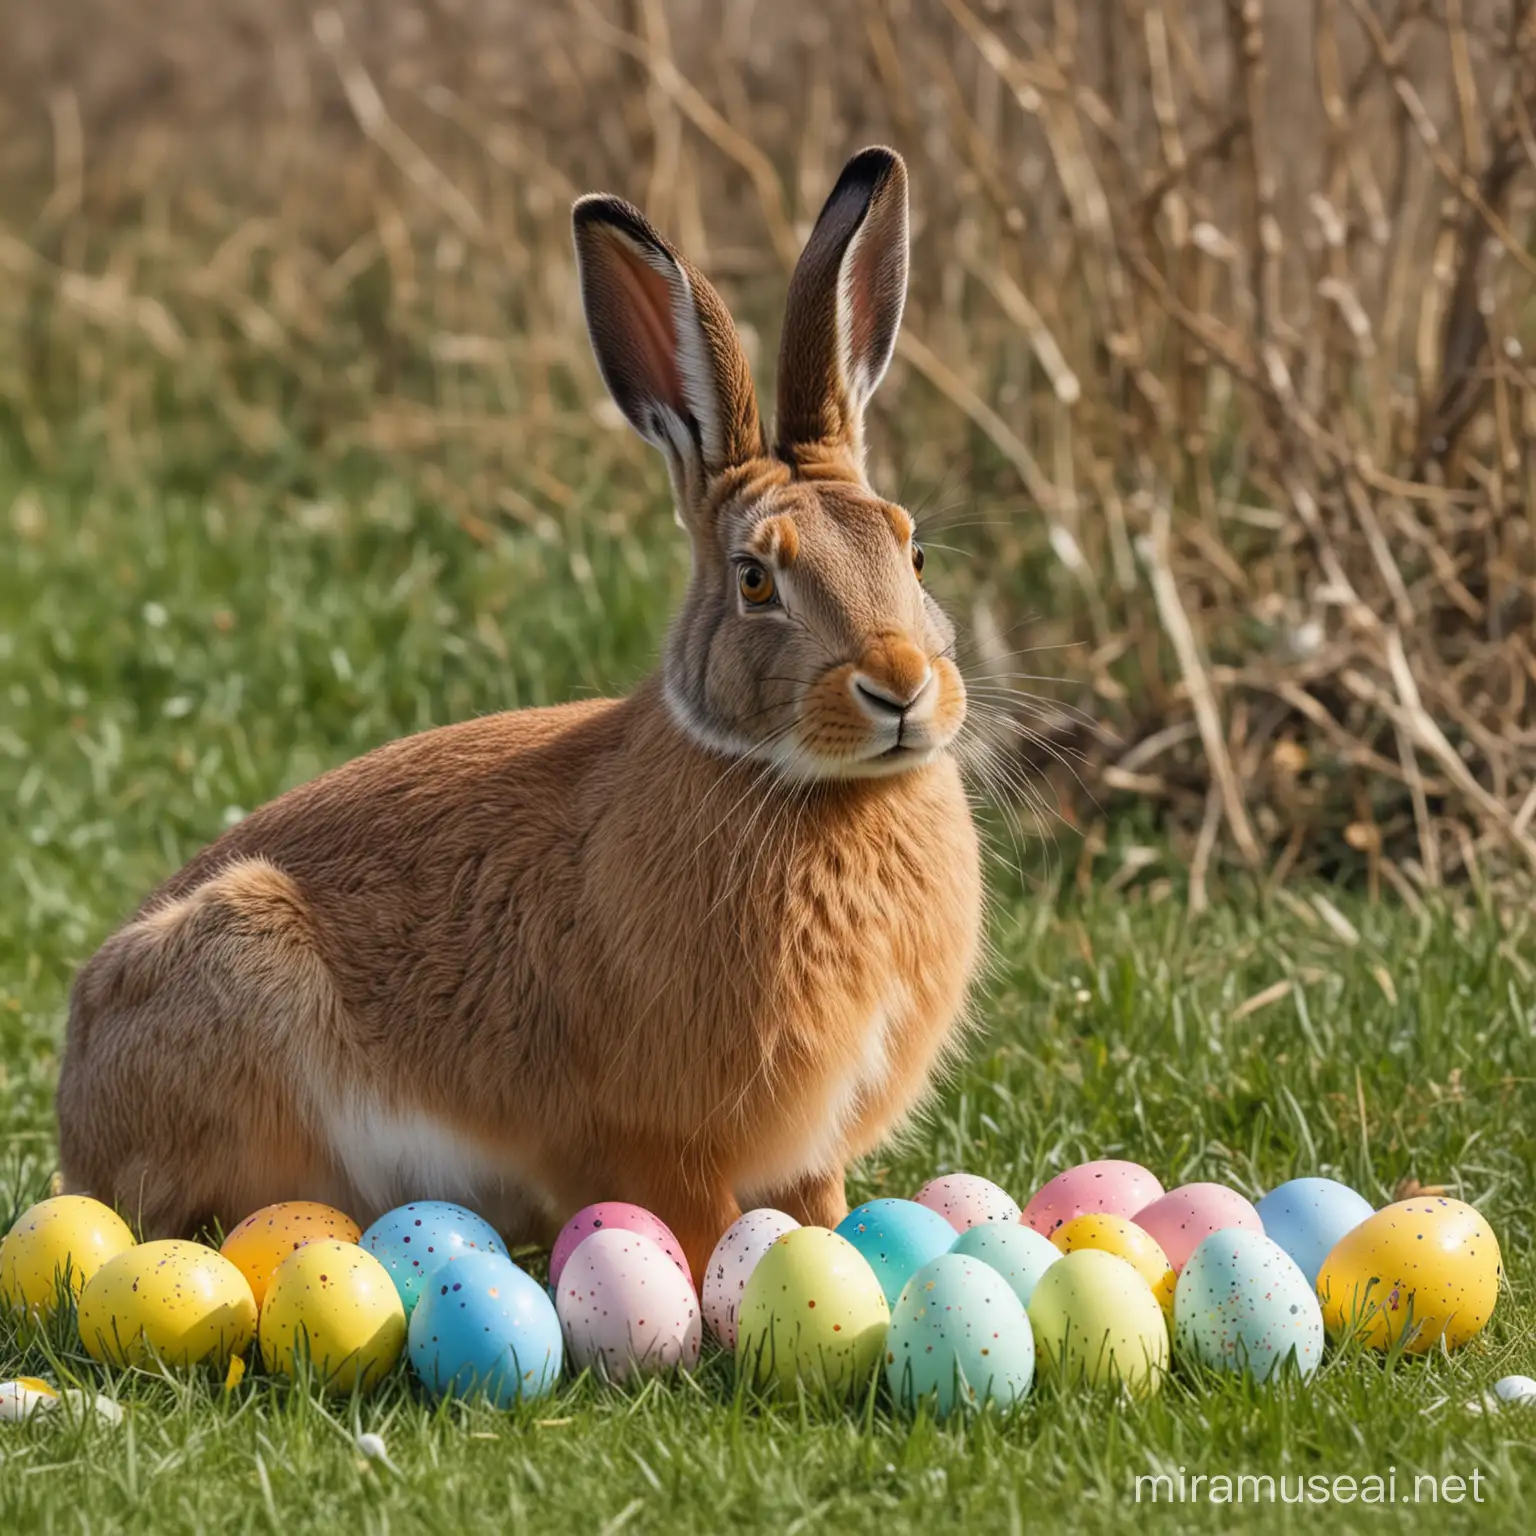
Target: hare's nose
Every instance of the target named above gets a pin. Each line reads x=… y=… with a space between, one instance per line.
x=884 y=697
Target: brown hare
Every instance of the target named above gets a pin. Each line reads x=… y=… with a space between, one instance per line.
x=696 y=948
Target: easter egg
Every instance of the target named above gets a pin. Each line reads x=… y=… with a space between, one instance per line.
x=266 y=1237
x=813 y=1314
x=1415 y=1273
x=1018 y=1253
x=608 y=1214
x=57 y=1242
x=1307 y=1217
x=412 y=1241
x=1243 y=1304
x=730 y=1266
x=176 y=1302
x=896 y=1238
x=1515 y=1389
x=1110 y=1186
x=961 y=1336
x=1183 y=1218
x=965 y=1200
x=335 y=1306
x=1123 y=1238
x=1096 y=1321
x=625 y=1308
x=484 y=1328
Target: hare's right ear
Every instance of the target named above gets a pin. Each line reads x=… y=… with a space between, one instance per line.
x=665 y=344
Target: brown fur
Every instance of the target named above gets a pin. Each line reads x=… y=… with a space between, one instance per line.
x=696 y=948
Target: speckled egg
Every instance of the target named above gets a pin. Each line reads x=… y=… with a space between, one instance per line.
x=483 y=1328
x=960 y=1336
x=625 y=1308
x=1096 y=1321
x=730 y=1266
x=1183 y=1218
x=335 y=1306
x=607 y=1215
x=266 y=1237
x=1018 y=1253
x=413 y=1240
x=177 y=1302
x=1110 y=1186
x=896 y=1237
x=813 y=1315
x=1520 y=1390
x=1307 y=1217
x=62 y=1241
x=1123 y=1238
x=1243 y=1304
x=1416 y=1272
x=965 y=1200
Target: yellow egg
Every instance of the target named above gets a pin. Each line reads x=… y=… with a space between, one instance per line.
x=1123 y=1238
x=813 y=1313
x=335 y=1305
x=266 y=1237
x=1415 y=1273
x=177 y=1302
x=67 y=1238
x=1096 y=1321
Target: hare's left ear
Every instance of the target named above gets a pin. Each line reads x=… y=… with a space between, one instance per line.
x=844 y=309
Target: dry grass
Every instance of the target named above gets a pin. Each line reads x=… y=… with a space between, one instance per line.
x=1218 y=344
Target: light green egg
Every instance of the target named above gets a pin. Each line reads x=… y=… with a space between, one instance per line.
x=1096 y=1321
x=813 y=1316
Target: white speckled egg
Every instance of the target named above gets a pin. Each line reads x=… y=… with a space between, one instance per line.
x=1515 y=1389
x=730 y=1266
x=965 y=1200
x=1242 y=1304
x=960 y=1335
x=625 y=1308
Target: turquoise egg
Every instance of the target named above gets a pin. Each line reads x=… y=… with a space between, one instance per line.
x=1307 y=1217
x=483 y=1327
x=1243 y=1305
x=960 y=1336
x=412 y=1241
x=896 y=1238
x=1018 y=1253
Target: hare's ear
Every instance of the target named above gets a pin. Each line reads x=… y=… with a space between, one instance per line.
x=844 y=309
x=665 y=344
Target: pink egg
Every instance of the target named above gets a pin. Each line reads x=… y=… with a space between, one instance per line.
x=1183 y=1218
x=745 y=1241
x=1107 y=1187
x=964 y=1200
x=624 y=1308
x=607 y=1214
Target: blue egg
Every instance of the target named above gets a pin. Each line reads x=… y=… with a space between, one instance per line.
x=896 y=1238
x=959 y=1337
x=483 y=1327
x=412 y=1241
x=1018 y=1253
x=1308 y=1216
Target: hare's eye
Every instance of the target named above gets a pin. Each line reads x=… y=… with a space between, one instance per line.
x=755 y=583
x=919 y=559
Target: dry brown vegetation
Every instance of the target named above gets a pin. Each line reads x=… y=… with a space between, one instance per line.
x=1218 y=349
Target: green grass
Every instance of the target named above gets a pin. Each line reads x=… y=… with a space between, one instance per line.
x=165 y=664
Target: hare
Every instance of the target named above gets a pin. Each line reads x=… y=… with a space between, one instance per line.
x=696 y=948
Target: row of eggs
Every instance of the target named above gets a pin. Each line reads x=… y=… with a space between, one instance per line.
x=958 y=1288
